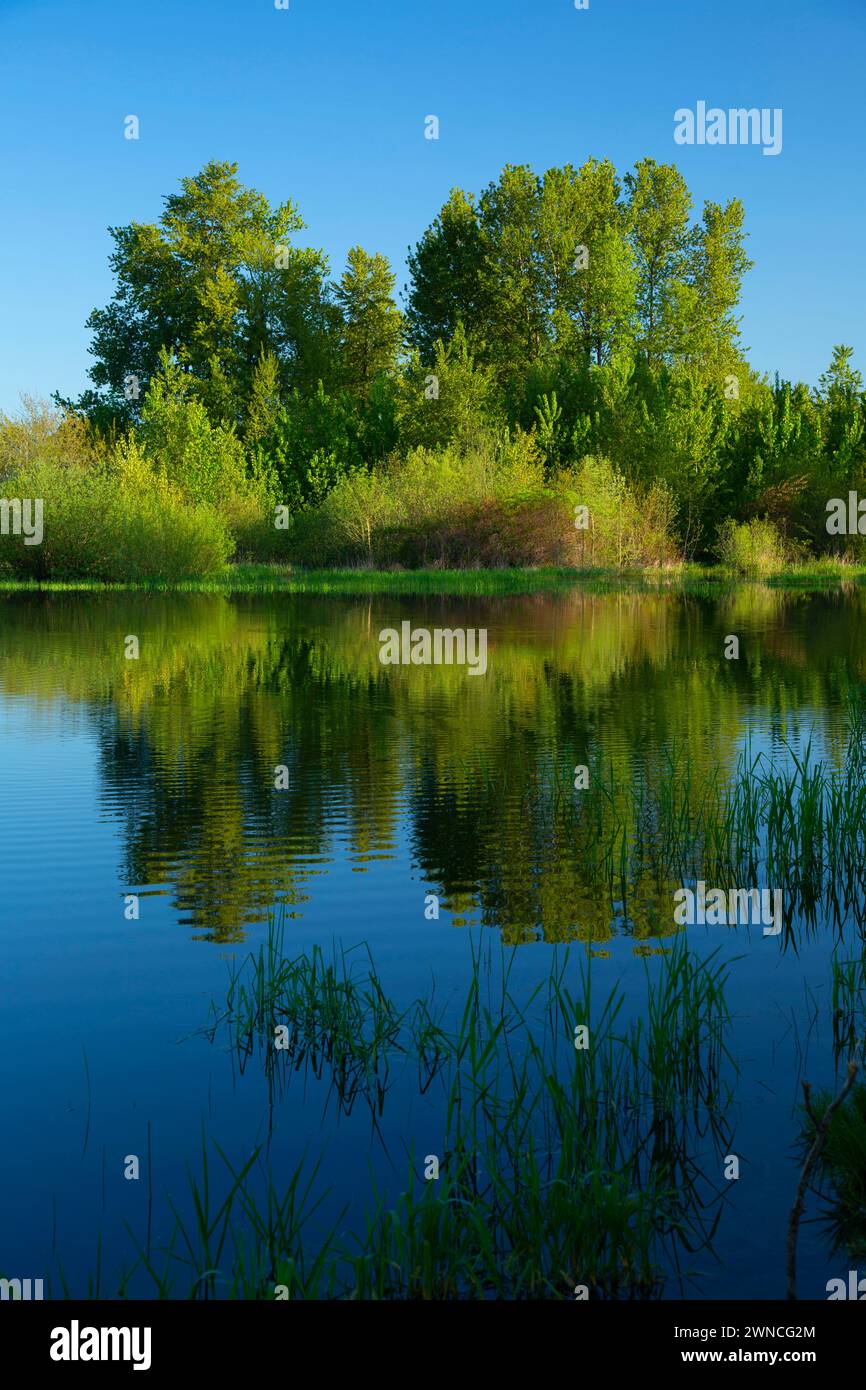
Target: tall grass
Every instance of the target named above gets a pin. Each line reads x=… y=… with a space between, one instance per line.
x=799 y=826
x=559 y=1167
x=338 y=1018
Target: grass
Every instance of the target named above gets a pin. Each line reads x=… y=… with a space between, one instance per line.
x=559 y=1167
x=849 y=1005
x=336 y=1020
x=818 y=575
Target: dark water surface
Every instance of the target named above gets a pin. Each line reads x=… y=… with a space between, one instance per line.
x=155 y=777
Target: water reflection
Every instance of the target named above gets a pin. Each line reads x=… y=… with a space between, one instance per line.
x=228 y=688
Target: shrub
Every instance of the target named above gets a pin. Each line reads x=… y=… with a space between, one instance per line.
x=625 y=528
x=115 y=524
x=420 y=509
x=486 y=507
x=450 y=401
x=751 y=547
x=204 y=461
x=41 y=432
x=312 y=444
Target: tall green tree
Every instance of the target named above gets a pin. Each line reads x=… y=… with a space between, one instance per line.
x=512 y=280
x=445 y=270
x=841 y=396
x=371 y=334
x=216 y=282
x=588 y=277
x=659 y=204
x=700 y=327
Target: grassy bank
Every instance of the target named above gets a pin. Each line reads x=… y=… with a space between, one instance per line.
x=264 y=578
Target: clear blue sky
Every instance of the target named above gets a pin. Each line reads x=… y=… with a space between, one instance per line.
x=325 y=103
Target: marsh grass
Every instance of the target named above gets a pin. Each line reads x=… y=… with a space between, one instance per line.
x=695 y=580
x=338 y=1018
x=849 y=1005
x=559 y=1166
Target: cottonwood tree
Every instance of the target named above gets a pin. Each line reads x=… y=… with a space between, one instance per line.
x=217 y=283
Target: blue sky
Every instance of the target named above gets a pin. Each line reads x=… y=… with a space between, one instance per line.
x=325 y=103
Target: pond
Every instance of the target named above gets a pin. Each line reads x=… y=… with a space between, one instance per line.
x=257 y=761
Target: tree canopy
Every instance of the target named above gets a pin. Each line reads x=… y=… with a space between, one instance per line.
x=593 y=314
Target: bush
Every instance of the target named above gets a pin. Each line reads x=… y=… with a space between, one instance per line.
x=205 y=462
x=313 y=442
x=449 y=402
x=487 y=507
x=41 y=432
x=405 y=512
x=201 y=463
x=751 y=547
x=625 y=529
x=114 y=524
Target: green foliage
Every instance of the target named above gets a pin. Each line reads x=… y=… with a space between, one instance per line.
x=121 y=524
x=42 y=433
x=751 y=547
x=205 y=461
x=372 y=326
x=315 y=440
x=591 y=315
x=426 y=508
x=626 y=528
x=446 y=276
x=448 y=400
x=216 y=282
x=486 y=507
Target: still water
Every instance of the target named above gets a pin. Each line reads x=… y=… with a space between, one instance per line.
x=155 y=777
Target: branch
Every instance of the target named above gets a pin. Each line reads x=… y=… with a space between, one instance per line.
x=811 y=1159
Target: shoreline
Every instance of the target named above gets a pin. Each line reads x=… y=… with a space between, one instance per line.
x=266 y=578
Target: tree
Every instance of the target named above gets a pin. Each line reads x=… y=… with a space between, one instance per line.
x=841 y=384
x=841 y=395
x=264 y=402
x=217 y=284
x=371 y=334
x=700 y=325
x=452 y=399
x=658 y=221
x=511 y=272
x=589 y=280
x=446 y=276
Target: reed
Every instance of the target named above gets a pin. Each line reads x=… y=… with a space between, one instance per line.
x=560 y=1167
